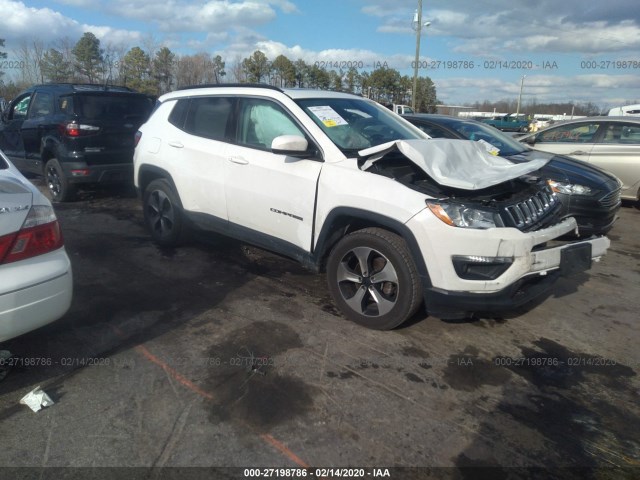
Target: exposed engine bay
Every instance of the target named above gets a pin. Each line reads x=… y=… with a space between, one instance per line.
x=525 y=202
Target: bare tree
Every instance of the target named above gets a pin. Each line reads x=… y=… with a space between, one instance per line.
x=237 y=71
x=30 y=55
x=112 y=63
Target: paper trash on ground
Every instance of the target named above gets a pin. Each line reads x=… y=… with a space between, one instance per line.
x=36 y=399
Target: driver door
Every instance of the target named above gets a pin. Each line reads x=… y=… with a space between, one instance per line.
x=11 y=140
x=269 y=196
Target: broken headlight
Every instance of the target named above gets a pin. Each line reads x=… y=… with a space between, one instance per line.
x=458 y=215
x=569 y=188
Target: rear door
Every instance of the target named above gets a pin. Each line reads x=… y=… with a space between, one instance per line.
x=197 y=150
x=618 y=151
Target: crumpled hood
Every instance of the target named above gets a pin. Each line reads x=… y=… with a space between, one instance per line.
x=454 y=163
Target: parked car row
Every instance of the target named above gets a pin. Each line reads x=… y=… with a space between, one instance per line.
x=396 y=219
x=611 y=143
x=440 y=212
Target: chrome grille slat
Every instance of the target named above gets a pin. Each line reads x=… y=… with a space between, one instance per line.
x=528 y=212
x=611 y=199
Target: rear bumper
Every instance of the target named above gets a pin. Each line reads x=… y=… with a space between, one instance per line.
x=81 y=172
x=39 y=292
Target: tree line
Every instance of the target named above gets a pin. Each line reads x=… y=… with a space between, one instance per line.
x=157 y=70
x=587 y=109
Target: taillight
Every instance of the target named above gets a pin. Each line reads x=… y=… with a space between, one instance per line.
x=39 y=234
x=137 y=138
x=78 y=129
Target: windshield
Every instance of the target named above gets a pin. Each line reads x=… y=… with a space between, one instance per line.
x=477 y=131
x=356 y=124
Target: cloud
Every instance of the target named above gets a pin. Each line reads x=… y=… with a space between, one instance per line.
x=114 y=35
x=189 y=16
x=18 y=22
x=544 y=88
x=517 y=27
x=77 y=3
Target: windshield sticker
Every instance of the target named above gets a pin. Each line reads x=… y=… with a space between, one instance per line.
x=489 y=148
x=328 y=116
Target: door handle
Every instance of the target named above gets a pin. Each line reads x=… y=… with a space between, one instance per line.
x=579 y=152
x=239 y=160
x=174 y=144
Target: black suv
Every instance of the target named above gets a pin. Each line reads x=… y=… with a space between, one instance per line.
x=74 y=134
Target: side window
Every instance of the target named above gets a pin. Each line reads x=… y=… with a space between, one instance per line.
x=42 y=105
x=19 y=109
x=208 y=117
x=623 y=133
x=582 y=133
x=263 y=120
x=66 y=104
x=433 y=131
x=178 y=113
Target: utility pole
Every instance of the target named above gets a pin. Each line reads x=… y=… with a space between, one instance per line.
x=417 y=25
x=520 y=96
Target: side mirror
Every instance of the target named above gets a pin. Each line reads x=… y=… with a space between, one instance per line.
x=290 y=145
x=530 y=140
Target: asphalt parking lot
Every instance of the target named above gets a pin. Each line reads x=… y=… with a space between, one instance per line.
x=221 y=355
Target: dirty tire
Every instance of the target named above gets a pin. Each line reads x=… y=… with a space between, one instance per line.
x=373 y=279
x=163 y=214
x=57 y=183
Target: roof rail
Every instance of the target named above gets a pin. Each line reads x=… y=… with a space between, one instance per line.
x=222 y=85
x=88 y=86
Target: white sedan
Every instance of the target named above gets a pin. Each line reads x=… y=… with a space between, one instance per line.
x=35 y=272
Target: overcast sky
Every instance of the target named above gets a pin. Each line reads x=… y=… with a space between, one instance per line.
x=569 y=50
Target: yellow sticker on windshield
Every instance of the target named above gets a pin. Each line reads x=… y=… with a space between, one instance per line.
x=328 y=116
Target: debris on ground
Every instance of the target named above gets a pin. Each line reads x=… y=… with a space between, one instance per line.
x=36 y=399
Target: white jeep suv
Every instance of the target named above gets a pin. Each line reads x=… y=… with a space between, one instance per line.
x=344 y=185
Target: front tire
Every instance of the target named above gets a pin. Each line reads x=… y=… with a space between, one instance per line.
x=163 y=214
x=373 y=279
x=57 y=183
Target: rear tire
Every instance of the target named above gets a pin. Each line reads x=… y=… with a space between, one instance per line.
x=373 y=279
x=57 y=183
x=163 y=214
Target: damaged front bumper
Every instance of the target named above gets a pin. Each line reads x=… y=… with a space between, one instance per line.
x=519 y=266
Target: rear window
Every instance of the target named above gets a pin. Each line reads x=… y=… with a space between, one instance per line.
x=108 y=106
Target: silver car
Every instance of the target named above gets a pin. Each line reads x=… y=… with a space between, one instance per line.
x=35 y=272
x=611 y=143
